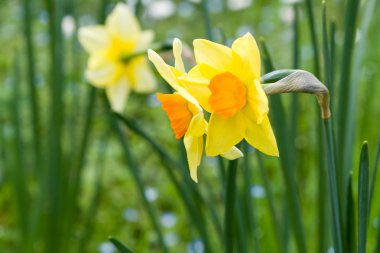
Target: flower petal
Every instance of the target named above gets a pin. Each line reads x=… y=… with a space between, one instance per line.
x=261 y=137
x=100 y=72
x=224 y=133
x=123 y=23
x=248 y=51
x=257 y=106
x=197 y=125
x=144 y=41
x=144 y=80
x=233 y=153
x=215 y=55
x=177 y=51
x=94 y=38
x=194 y=150
x=118 y=94
x=163 y=69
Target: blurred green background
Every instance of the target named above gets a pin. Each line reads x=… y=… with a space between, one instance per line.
x=64 y=182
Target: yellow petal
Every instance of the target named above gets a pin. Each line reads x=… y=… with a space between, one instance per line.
x=118 y=94
x=248 y=51
x=261 y=137
x=144 y=41
x=197 y=125
x=163 y=69
x=123 y=23
x=215 y=55
x=224 y=133
x=197 y=86
x=144 y=80
x=177 y=51
x=257 y=106
x=100 y=72
x=94 y=38
x=233 y=153
x=194 y=150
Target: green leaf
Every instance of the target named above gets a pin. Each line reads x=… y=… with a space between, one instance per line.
x=363 y=198
x=120 y=246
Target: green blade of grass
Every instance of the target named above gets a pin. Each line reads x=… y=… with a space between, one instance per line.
x=346 y=107
x=313 y=33
x=229 y=209
x=31 y=67
x=186 y=188
x=268 y=192
x=135 y=171
x=351 y=221
x=333 y=184
x=18 y=160
x=286 y=158
x=120 y=246
x=374 y=173
x=363 y=199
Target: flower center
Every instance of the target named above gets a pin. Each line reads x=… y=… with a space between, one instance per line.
x=177 y=109
x=228 y=94
x=120 y=49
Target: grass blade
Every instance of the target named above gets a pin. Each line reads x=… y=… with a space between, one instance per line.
x=286 y=158
x=135 y=170
x=374 y=173
x=314 y=39
x=229 y=210
x=120 y=246
x=363 y=199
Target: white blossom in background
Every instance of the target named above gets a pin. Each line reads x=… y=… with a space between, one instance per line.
x=185 y=9
x=68 y=26
x=161 y=9
x=168 y=219
x=287 y=14
x=257 y=191
x=236 y=5
x=196 y=246
x=151 y=194
x=107 y=247
x=131 y=214
x=171 y=239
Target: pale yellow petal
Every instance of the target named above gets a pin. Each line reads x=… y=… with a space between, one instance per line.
x=163 y=69
x=215 y=55
x=257 y=106
x=197 y=125
x=94 y=38
x=177 y=51
x=261 y=137
x=144 y=41
x=100 y=72
x=123 y=23
x=118 y=94
x=233 y=153
x=197 y=86
x=144 y=80
x=248 y=51
x=224 y=133
x=194 y=150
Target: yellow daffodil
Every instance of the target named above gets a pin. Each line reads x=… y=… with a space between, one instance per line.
x=183 y=110
x=115 y=61
x=226 y=82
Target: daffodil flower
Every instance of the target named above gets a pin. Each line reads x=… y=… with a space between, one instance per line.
x=115 y=61
x=183 y=110
x=226 y=82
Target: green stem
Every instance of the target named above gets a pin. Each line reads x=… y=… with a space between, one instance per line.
x=229 y=213
x=334 y=191
x=363 y=199
x=311 y=20
x=135 y=170
x=207 y=20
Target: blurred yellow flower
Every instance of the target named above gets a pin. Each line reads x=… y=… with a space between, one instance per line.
x=115 y=63
x=183 y=110
x=226 y=82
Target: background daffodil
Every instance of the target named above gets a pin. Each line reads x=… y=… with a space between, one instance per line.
x=183 y=110
x=114 y=62
x=226 y=82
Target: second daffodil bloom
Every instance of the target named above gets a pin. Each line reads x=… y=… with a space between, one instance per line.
x=226 y=82
x=184 y=112
x=116 y=63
